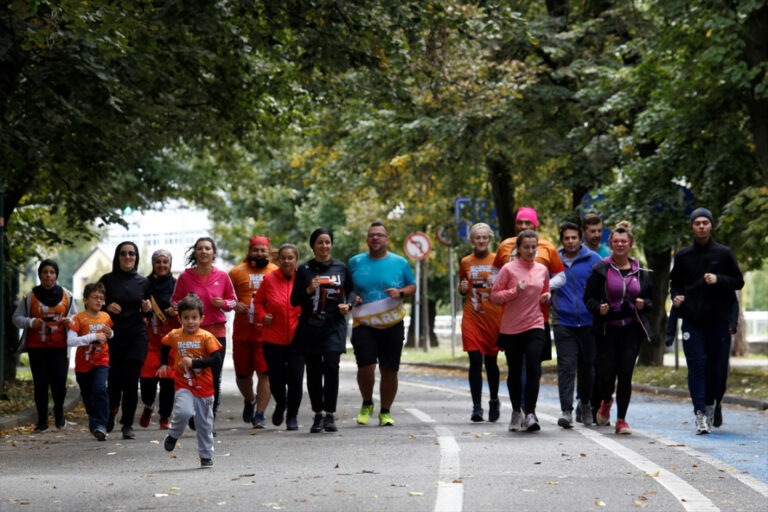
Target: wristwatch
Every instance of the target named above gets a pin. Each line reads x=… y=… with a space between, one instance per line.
x=402 y=294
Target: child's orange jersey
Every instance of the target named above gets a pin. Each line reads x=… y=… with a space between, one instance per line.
x=481 y=317
x=95 y=354
x=199 y=345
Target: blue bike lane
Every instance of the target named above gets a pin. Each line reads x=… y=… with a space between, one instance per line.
x=741 y=442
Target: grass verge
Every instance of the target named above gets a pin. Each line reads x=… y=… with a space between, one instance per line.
x=750 y=383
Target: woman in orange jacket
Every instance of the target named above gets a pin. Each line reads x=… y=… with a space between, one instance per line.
x=272 y=307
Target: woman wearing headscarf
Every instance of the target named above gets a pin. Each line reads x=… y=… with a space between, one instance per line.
x=127 y=299
x=161 y=319
x=44 y=314
x=324 y=291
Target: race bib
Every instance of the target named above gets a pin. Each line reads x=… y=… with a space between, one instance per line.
x=380 y=314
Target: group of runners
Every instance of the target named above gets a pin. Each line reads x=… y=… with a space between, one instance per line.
x=144 y=332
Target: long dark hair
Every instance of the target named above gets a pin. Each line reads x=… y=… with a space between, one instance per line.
x=191 y=258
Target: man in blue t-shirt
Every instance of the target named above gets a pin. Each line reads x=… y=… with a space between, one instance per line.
x=382 y=280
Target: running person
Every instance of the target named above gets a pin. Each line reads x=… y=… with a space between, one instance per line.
x=704 y=278
x=522 y=286
x=323 y=290
x=618 y=294
x=382 y=280
x=480 y=321
x=162 y=318
x=247 y=346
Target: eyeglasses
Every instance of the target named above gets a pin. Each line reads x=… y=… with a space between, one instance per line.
x=127 y=253
x=377 y=235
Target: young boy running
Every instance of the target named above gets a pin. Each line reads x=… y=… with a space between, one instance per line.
x=196 y=352
x=89 y=331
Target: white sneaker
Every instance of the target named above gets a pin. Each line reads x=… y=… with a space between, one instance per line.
x=702 y=425
x=516 y=423
x=710 y=412
x=566 y=419
x=531 y=423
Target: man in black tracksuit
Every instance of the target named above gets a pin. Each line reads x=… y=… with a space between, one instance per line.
x=704 y=278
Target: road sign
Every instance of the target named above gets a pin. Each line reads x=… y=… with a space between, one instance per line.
x=417 y=246
x=468 y=211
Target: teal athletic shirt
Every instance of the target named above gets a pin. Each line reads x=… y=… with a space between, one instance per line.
x=371 y=277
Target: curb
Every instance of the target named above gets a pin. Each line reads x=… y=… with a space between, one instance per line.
x=753 y=403
x=29 y=415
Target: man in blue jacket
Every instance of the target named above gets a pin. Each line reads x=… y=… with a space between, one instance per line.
x=572 y=326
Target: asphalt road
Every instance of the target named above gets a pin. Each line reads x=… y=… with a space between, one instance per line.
x=434 y=458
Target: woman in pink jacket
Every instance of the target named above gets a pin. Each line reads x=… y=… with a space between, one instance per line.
x=217 y=293
x=521 y=285
x=272 y=307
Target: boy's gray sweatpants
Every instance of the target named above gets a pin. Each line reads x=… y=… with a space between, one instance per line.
x=186 y=405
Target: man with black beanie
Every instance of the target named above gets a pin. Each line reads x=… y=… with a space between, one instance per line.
x=704 y=278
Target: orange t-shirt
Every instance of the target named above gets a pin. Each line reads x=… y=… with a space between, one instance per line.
x=95 y=354
x=246 y=281
x=546 y=254
x=199 y=345
x=481 y=317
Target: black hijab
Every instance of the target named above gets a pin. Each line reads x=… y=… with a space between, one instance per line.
x=50 y=297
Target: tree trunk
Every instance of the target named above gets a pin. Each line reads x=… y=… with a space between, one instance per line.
x=652 y=354
x=433 y=342
x=740 y=347
x=500 y=176
x=11 y=333
x=756 y=53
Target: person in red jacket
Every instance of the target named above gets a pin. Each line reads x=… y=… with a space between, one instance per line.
x=272 y=307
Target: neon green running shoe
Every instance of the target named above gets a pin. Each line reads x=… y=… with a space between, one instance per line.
x=385 y=419
x=365 y=414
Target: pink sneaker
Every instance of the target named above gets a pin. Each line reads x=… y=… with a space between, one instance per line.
x=622 y=427
x=604 y=413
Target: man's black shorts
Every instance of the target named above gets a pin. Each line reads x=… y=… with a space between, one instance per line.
x=378 y=345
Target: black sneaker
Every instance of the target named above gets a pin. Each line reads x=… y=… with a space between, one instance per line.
x=277 y=416
x=169 y=443
x=191 y=423
x=291 y=423
x=128 y=433
x=100 y=434
x=41 y=427
x=477 y=413
x=206 y=463
x=317 y=424
x=247 y=411
x=494 y=410
x=329 y=423
x=718 y=420
x=60 y=421
x=111 y=420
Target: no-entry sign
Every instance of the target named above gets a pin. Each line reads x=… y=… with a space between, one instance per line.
x=417 y=246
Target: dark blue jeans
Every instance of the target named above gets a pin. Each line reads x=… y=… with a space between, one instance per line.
x=93 y=388
x=707 y=349
x=575 y=350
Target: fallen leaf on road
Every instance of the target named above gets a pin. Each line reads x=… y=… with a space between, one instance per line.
x=600 y=503
x=415 y=493
x=538 y=462
x=695 y=466
x=673 y=468
x=160 y=495
x=155 y=441
x=225 y=455
x=582 y=455
x=642 y=498
x=553 y=482
x=478 y=436
x=411 y=436
x=640 y=504
x=112 y=453
x=174 y=488
x=652 y=474
x=247 y=474
x=222 y=503
x=336 y=466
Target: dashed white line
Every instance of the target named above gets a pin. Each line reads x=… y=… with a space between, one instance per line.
x=450 y=491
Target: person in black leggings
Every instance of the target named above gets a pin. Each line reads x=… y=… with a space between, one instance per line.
x=324 y=291
x=618 y=295
x=126 y=300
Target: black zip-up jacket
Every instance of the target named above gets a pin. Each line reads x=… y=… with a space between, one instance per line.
x=705 y=303
x=322 y=328
x=595 y=294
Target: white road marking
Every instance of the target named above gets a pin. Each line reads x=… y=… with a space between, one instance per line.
x=688 y=496
x=744 y=478
x=450 y=491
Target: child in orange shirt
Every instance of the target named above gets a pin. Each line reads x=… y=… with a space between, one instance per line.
x=196 y=351
x=89 y=331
